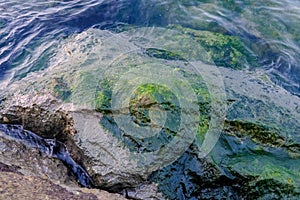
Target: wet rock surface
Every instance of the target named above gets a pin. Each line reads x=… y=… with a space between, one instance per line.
x=29 y=161
x=47 y=147
x=34 y=156
x=26 y=172
x=256 y=156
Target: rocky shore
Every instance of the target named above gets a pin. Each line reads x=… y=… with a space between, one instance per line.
x=256 y=156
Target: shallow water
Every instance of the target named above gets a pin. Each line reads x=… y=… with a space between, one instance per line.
x=32 y=34
x=30 y=31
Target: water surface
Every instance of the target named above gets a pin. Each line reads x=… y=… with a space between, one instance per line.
x=29 y=31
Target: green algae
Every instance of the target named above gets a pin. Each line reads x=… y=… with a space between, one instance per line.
x=147 y=96
x=258 y=151
x=83 y=87
x=147 y=104
x=224 y=50
x=258 y=132
x=182 y=43
x=103 y=97
x=253 y=130
x=264 y=189
x=268 y=168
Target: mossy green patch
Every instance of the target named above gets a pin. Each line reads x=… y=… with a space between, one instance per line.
x=103 y=98
x=153 y=105
x=257 y=150
x=83 y=86
x=149 y=96
x=265 y=189
x=267 y=169
x=150 y=105
x=225 y=50
x=258 y=132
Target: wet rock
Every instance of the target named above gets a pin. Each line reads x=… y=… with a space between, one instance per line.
x=8 y=168
x=104 y=176
x=19 y=158
x=194 y=178
x=43 y=115
x=225 y=50
x=27 y=172
x=36 y=112
x=110 y=166
x=146 y=191
x=256 y=156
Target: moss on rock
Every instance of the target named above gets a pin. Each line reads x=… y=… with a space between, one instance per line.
x=225 y=50
x=258 y=132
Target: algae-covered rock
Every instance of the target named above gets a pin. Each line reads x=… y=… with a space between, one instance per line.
x=257 y=154
x=148 y=105
x=261 y=135
x=225 y=50
x=268 y=29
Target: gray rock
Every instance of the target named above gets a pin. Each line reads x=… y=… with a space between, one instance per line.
x=261 y=125
x=17 y=186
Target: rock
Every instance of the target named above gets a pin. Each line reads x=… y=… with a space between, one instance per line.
x=5 y=120
x=145 y=191
x=225 y=50
x=42 y=114
x=30 y=161
x=254 y=158
x=29 y=173
x=80 y=99
x=17 y=186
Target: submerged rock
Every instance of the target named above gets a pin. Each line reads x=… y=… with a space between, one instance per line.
x=225 y=50
x=141 y=106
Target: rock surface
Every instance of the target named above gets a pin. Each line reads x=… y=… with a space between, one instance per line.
x=256 y=156
x=17 y=186
x=26 y=173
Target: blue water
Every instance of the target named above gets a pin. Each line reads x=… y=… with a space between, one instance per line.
x=29 y=31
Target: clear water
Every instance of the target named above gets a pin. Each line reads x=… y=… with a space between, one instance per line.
x=29 y=31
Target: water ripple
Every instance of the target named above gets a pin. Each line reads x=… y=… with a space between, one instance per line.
x=270 y=29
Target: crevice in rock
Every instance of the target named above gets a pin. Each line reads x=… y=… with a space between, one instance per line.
x=52 y=132
x=50 y=147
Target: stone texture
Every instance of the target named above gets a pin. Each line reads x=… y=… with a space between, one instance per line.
x=17 y=186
